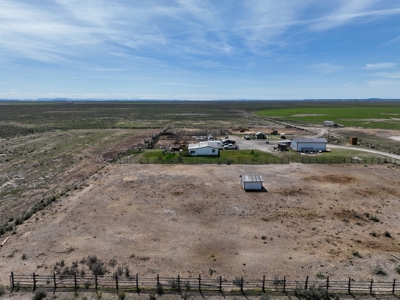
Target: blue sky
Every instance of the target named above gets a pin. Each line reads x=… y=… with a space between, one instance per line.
x=199 y=49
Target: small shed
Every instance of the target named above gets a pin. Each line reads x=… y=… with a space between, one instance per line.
x=260 y=135
x=282 y=146
x=252 y=182
x=353 y=141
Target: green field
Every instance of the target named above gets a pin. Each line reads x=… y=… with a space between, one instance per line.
x=368 y=115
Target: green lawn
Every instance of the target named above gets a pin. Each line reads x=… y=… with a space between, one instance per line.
x=334 y=156
x=226 y=156
x=252 y=157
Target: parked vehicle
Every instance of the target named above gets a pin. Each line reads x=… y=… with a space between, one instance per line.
x=247 y=137
x=228 y=141
x=231 y=147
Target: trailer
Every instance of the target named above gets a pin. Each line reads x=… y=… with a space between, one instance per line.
x=329 y=123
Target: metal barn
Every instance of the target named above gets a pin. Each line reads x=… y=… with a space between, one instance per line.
x=252 y=182
x=309 y=144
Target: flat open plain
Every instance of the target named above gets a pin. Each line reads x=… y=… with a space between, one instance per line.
x=190 y=220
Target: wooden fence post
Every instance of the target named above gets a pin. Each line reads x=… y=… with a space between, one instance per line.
x=220 y=284
x=179 y=284
x=200 y=283
x=95 y=282
x=241 y=284
x=284 y=284
x=394 y=286
x=158 y=280
x=370 y=288
x=54 y=282
x=137 y=283
x=263 y=285
x=327 y=283
x=75 y=283
x=306 y=285
x=116 y=282
x=12 y=282
x=349 y=287
x=34 y=282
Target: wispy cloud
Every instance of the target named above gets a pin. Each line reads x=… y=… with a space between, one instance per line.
x=350 y=11
x=383 y=65
x=394 y=75
x=179 y=84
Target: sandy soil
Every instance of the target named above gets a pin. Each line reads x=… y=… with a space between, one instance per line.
x=192 y=220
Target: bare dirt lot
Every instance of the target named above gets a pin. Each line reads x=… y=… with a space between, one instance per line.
x=189 y=220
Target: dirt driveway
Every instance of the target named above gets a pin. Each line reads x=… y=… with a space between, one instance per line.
x=190 y=220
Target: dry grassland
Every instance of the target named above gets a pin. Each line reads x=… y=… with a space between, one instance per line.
x=189 y=220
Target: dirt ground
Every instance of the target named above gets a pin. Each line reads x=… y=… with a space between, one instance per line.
x=190 y=220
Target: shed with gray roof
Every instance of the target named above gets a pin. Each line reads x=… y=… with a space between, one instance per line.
x=252 y=182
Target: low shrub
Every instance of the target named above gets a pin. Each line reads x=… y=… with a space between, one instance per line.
x=378 y=270
x=40 y=294
x=2 y=290
x=121 y=295
x=312 y=293
x=265 y=297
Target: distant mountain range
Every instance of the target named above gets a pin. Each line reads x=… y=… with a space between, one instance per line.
x=157 y=100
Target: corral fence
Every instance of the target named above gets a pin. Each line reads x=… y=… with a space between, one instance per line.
x=204 y=160
x=180 y=285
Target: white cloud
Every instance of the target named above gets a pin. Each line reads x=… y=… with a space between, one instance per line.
x=383 y=65
x=394 y=75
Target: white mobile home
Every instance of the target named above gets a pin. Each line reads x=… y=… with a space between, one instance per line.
x=252 y=182
x=308 y=144
x=203 y=149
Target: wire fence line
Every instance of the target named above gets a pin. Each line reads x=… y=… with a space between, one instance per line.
x=181 y=285
x=265 y=161
x=348 y=160
x=204 y=160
